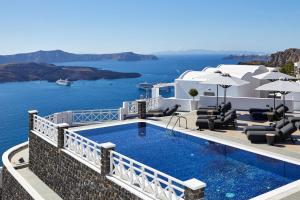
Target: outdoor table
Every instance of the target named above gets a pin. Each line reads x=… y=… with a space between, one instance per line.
x=270 y=138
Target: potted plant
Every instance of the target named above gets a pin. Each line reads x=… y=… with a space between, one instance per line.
x=194 y=104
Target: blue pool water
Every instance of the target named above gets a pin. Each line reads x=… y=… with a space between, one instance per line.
x=229 y=173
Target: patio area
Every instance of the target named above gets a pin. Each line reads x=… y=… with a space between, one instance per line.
x=286 y=148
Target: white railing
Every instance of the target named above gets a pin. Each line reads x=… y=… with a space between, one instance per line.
x=83 y=147
x=132 y=107
x=93 y=116
x=51 y=118
x=45 y=128
x=153 y=182
x=152 y=103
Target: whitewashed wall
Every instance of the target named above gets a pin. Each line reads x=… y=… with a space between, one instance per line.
x=239 y=103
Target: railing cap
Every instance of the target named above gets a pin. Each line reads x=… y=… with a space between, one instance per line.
x=108 y=145
x=194 y=184
x=63 y=125
x=33 y=111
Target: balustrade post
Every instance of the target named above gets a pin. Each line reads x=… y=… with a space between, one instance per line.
x=142 y=108
x=60 y=134
x=105 y=157
x=31 y=114
x=194 y=189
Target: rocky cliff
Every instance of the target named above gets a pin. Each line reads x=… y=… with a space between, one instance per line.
x=49 y=72
x=281 y=58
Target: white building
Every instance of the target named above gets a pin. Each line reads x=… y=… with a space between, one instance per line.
x=193 y=79
x=242 y=97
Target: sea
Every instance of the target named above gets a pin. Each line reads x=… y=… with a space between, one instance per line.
x=19 y=97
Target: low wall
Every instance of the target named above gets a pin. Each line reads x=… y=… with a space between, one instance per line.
x=245 y=103
x=12 y=188
x=239 y=103
x=68 y=177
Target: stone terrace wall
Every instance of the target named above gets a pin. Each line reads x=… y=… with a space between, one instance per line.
x=68 y=177
x=12 y=189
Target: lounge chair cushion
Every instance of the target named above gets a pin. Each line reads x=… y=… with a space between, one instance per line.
x=281 y=123
x=172 y=110
x=287 y=131
x=259 y=136
x=258 y=128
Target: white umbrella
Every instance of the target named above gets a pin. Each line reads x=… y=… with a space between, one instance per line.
x=214 y=75
x=273 y=76
x=225 y=81
x=283 y=86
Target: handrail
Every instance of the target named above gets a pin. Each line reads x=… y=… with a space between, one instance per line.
x=45 y=128
x=92 y=116
x=177 y=120
x=147 y=179
x=83 y=147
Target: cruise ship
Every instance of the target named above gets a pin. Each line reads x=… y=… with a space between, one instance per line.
x=63 y=82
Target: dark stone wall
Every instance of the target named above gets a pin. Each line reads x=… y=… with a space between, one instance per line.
x=69 y=178
x=11 y=188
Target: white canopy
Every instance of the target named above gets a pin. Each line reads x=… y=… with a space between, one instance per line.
x=274 y=75
x=225 y=80
x=283 y=86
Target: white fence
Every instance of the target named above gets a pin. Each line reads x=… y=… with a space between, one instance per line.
x=81 y=117
x=45 y=128
x=131 y=107
x=92 y=116
x=147 y=179
x=83 y=147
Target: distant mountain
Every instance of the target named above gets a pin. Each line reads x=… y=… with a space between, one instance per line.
x=206 y=52
x=49 y=72
x=62 y=56
x=247 y=57
x=278 y=59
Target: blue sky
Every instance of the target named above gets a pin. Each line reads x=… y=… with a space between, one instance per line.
x=96 y=26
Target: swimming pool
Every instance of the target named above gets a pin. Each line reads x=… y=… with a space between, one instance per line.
x=230 y=173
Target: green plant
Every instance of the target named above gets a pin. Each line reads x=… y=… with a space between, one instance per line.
x=193 y=92
x=288 y=68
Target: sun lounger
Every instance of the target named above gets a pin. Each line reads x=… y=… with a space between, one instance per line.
x=277 y=125
x=263 y=115
x=213 y=110
x=219 y=121
x=166 y=112
x=280 y=134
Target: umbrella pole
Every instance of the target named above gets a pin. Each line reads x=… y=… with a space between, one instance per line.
x=225 y=95
x=274 y=101
x=217 y=95
x=284 y=106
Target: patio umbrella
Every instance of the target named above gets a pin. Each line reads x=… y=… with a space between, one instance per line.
x=283 y=86
x=273 y=76
x=225 y=81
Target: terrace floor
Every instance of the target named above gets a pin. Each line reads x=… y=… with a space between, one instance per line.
x=236 y=135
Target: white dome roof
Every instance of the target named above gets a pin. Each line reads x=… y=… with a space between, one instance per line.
x=238 y=71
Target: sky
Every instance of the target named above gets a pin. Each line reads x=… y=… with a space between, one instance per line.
x=107 y=26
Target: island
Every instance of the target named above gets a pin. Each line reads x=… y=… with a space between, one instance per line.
x=33 y=71
x=57 y=56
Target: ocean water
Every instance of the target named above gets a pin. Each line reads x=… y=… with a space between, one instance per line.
x=17 y=98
